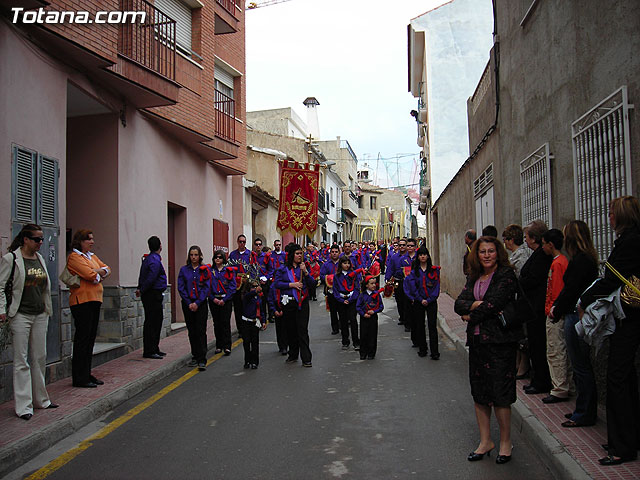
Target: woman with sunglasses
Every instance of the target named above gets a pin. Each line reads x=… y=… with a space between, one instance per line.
x=223 y=286
x=28 y=315
x=85 y=302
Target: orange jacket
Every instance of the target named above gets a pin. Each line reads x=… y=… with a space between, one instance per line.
x=89 y=290
x=555 y=282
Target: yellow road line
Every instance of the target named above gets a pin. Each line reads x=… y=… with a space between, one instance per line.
x=69 y=455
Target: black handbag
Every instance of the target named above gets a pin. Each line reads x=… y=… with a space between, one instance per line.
x=8 y=287
x=515 y=313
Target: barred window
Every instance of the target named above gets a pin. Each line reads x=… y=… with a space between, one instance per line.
x=535 y=186
x=602 y=164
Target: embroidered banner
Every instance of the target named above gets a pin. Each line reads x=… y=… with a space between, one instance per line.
x=298 y=212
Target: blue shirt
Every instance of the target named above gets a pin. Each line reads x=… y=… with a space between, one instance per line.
x=194 y=284
x=423 y=285
x=369 y=301
x=223 y=283
x=152 y=275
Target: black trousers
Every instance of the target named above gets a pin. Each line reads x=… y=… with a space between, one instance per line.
x=197 y=329
x=418 y=330
x=281 y=333
x=85 y=319
x=333 y=312
x=297 y=326
x=537 y=336
x=623 y=406
x=401 y=301
x=264 y=305
x=221 y=324
x=368 y=336
x=348 y=319
x=152 y=304
x=250 y=342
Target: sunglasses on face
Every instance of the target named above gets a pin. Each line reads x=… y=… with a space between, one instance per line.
x=218 y=258
x=36 y=239
x=242 y=241
x=258 y=244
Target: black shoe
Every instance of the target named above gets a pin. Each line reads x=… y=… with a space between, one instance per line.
x=26 y=416
x=154 y=356
x=291 y=360
x=474 y=457
x=85 y=385
x=502 y=459
x=247 y=365
x=96 y=381
x=531 y=390
x=306 y=364
x=192 y=363
x=553 y=399
x=283 y=351
x=422 y=353
x=227 y=352
x=53 y=405
x=161 y=353
x=435 y=356
x=611 y=460
x=254 y=366
x=202 y=366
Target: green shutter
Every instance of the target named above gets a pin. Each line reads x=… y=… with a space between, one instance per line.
x=24 y=169
x=47 y=191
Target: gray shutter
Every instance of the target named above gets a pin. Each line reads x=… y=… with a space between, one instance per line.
x=24 y=169
x=47 y=191
x=223 y=76
x=181 y=13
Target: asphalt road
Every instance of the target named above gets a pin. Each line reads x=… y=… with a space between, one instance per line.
x=398 y=416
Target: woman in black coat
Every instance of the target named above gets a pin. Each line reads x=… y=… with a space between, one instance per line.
x=623 y=406
x=533 y=280
x=491 y=286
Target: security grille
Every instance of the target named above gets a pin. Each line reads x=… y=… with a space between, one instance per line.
x=483 y=181
x=535 y=186
x=602 y=164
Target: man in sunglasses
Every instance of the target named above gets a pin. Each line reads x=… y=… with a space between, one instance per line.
x=244 y=255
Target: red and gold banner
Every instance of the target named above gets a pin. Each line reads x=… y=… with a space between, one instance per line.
x=298 y=212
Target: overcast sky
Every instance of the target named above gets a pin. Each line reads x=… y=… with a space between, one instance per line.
x=352 y=56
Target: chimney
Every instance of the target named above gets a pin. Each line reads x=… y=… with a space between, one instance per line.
x=312 y=116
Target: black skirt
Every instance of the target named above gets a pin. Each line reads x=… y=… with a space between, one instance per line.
x=492 y=373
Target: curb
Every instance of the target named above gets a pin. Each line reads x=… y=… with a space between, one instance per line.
x=550 y=450
x=20 y=452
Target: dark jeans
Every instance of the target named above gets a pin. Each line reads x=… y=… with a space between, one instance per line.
x=85 y=319
x=221 y=324
x=348 y=319
x=297 y=326
x=623 y=406
x=537 y=336
x=586 y=410
x=197 y=329
x=152 y=304
x=333 y=312
x=418 y=331
x=250 y=342
x=368 y=336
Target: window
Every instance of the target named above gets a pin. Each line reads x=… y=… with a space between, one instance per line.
x=483 y=193
x=360 y=201
x=181 y=13
x=373 y=202
x=35 y=188
x=535 y=187
x=223 y=80
x=602 y=164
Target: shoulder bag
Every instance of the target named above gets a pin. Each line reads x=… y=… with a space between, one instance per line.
x=513 y=315
x=68 y=279
x=8 y=287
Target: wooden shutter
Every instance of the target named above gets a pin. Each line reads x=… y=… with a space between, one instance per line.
x=47 y=191
x=24 y=185
x=181 y=13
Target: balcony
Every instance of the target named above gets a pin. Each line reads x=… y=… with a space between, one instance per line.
x=350 y=203
x=323 y=200
x=225 y=117
x=152 y=43
x=226 y=16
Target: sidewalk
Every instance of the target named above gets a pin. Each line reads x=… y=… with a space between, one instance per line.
x=568 y=452
x=123 y=378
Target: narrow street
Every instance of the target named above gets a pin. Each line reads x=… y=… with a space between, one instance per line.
x=398 y=416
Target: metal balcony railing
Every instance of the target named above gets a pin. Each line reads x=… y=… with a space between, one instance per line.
x=151 y=43
x=225 y=116
x=228 y=5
